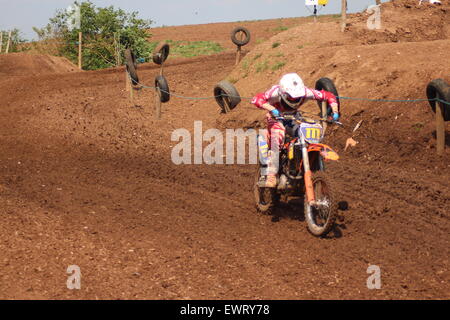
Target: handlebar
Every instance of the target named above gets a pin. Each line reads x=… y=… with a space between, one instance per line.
x=299 y=118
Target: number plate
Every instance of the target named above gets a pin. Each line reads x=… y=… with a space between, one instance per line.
x=311 y=132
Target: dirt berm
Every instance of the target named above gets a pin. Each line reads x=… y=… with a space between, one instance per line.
x=22 y=64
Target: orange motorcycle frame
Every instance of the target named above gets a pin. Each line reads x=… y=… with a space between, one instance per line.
x=327 y=153
x=314 y=150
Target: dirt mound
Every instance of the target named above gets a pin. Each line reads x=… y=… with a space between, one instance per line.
x=404 y=20
x=388 y=68
x=261 y=31
x=22 y=64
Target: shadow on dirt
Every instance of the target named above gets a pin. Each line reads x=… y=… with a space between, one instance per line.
x=294 y=210
x=447 y=137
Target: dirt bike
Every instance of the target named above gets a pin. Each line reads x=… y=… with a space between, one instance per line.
x=301 y=173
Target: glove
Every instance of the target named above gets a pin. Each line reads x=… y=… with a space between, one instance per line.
x=275 y=113
x=336 y=116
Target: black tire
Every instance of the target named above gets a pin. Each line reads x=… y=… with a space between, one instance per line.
x=327 y=85
x=440 y=89
x=319 y=164
x=226 y=94
x=266 y=199
x=163 y=86
x=161 y=53
x=131 y=65
x=313 y=216
x=240 y=42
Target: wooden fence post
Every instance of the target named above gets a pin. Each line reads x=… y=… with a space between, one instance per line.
x=129 y=87
x=157 y=103
x=127 y=81
x=9 y=42
x=80 y=38
x=315 y=13
x=226 y=104
x=344 y=15
x=440 y=128
x=238 y=55
x=131 y=94
x=1 y=41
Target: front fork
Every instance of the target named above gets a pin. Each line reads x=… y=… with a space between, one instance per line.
x=310 y=197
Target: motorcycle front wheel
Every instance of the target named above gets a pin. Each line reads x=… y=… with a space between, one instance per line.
x=322 y=216
x=265 y=198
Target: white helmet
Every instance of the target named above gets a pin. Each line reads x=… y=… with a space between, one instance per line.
x=292 y=90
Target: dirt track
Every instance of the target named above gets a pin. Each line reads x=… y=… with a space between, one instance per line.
x=86 y=179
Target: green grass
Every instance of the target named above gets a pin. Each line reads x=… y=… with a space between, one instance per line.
x=278 y=55
x=196 y=48
x=257 y=56
x=304 y=45
x=260 y=40
x=245 y=64
x=245 y=67
x=280 y=29
x=262 y=66
x=232 y=80
x=189 y=49
x=278 y=65
x=153 y=45
x=418 y=126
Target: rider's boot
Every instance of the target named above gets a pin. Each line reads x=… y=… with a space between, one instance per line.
x=272 y=170
x=271 y=181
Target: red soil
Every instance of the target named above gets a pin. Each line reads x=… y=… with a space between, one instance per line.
x=86 y=179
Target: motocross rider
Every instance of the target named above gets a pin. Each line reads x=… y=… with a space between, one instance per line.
x=286 y=98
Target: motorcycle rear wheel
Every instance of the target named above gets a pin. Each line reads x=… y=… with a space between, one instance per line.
x=321 y=219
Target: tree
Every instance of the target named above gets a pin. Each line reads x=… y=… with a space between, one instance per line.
x=107 y=32
x=16 y=40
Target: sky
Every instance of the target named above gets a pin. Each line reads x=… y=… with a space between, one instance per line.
x=25 y=14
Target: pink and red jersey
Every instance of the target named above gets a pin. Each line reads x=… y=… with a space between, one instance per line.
x=273 y=97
